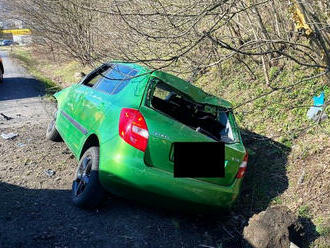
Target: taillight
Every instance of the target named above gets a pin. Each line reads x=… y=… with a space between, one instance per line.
x=242 y=167
x=133 y=128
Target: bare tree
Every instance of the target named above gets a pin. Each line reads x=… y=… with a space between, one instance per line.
x=188 y=37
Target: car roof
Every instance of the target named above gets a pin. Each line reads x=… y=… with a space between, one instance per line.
x=194 y=92
x=132 y=65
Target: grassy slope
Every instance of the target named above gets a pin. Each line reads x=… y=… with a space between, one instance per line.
x=55 y=71
x=288 y=153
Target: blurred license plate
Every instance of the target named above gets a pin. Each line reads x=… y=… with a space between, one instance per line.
x=199 y=159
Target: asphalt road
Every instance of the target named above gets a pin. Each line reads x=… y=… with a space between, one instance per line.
x=20 y=95
x=36 y=209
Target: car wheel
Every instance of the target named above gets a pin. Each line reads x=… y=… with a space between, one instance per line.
x=52 y=133
x=87 y=191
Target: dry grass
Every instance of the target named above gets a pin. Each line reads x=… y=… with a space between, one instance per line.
x=53 y=68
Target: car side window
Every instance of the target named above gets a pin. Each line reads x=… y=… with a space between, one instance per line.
x=95 y=77
x=116 y=79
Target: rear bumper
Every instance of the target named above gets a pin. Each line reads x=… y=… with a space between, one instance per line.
x=123 y=171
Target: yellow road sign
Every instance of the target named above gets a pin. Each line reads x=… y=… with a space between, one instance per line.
x=25 y=31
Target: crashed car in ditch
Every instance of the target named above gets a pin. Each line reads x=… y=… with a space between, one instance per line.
x=122 y=122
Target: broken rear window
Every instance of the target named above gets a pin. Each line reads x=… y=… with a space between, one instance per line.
x=213 y=121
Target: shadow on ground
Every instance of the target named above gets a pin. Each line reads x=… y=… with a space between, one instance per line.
x=46 y=217
x=20 y=87
x=266 y=175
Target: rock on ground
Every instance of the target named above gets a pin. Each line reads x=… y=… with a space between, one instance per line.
x=269 y=228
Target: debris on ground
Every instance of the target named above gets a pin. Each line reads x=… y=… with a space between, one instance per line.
x=270 y=228
x=316 y=112
x=21 y=144
x=6 y=117
x=292 y=245
x=31 y=164
x=8 y=136
x=50 y=172
x=302 y=177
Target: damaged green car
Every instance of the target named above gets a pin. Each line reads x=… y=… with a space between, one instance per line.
x=122 y=122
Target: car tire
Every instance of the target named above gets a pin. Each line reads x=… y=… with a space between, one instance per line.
x=87 y=191
x=52 y=133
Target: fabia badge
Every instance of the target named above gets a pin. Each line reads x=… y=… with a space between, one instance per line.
x=160 y=135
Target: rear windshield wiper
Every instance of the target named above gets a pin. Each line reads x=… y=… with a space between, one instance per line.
x=201 y=130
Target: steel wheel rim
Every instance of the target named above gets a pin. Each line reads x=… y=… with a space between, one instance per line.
x=82 y=176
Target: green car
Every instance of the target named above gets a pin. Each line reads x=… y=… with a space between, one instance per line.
x=122 y=122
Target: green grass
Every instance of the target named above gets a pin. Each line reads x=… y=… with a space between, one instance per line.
x=277 y=200
x=304 y=211
x=280 y=115
x=321 y=227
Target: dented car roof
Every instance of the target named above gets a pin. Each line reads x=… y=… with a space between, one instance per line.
x=194 y=92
